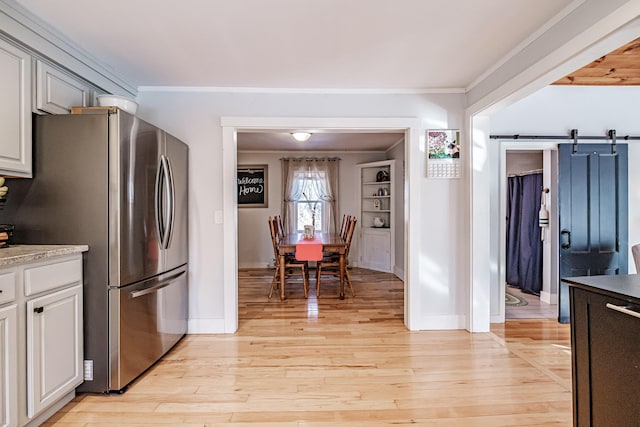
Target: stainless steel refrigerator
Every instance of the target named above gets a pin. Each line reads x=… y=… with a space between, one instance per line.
x=110 y=180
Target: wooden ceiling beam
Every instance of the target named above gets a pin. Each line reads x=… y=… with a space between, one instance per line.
x=618 y=68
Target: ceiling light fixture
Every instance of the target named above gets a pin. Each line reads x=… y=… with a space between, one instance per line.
x=301 y=136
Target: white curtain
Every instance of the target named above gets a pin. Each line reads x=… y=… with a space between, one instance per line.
x=300 y=173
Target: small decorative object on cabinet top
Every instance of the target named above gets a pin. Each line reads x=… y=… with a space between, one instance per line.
x=382 y=176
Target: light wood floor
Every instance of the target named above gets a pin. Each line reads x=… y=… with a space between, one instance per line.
x=327 y=362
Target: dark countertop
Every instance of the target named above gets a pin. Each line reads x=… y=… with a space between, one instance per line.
x=19 y=254
x=624 y=286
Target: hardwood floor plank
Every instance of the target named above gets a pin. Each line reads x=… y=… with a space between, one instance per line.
x=331 y=362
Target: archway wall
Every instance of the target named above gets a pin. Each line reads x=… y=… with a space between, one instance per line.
x=586 y=31
x=436 y=251
x=555 y=110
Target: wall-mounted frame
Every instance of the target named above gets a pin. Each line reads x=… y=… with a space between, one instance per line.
x=443 y=153
x=252 y=184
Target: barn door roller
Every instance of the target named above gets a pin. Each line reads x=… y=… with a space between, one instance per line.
x=612 y=136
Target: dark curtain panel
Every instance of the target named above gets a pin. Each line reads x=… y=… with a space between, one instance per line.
x=524 y=248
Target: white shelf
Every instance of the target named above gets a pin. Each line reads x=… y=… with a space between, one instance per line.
x=376 y=244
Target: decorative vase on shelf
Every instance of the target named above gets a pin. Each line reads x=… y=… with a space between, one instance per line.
x=378 y=222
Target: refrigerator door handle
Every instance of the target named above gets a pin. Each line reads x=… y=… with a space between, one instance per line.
x=171 y=203
x=157 y=286
x=168 y=218
x=158 y=201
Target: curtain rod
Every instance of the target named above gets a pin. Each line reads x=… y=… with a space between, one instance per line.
x=525 y=173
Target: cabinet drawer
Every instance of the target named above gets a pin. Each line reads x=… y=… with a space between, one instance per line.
x=52 y=276
x=7 y=286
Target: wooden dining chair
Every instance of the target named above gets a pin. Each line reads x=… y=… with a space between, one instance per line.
x=291 y=264
x=280 y=225
x=331 y=265
x=345 y=226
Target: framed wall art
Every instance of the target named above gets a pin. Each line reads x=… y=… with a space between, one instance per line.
x=443 y=153
x=252 y=186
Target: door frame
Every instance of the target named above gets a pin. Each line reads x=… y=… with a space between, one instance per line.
x=550 y=251
x=230 y=127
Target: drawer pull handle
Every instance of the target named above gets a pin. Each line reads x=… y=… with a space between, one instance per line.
x=38 y=310
x=625 y=310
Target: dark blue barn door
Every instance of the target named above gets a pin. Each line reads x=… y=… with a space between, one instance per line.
x=592 y=191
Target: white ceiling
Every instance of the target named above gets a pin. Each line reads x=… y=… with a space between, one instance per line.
x=356 y=45
x=323 y=141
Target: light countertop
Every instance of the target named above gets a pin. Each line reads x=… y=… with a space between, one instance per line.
x=18 y=254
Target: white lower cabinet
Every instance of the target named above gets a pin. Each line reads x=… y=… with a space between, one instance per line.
x=41 y=341
x=8 y=366
x=375 y=249
x=54 y=347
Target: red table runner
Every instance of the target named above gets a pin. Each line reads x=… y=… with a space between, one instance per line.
x=309 y=249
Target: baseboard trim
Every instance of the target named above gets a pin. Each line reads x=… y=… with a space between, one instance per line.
x=437 y=323
x=548 y=297
x=399 y=272
x=207 y=326
x=256 y=264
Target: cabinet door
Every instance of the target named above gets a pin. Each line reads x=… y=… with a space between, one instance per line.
x=54 y=347
x=57 y=92
x=15 y=105
x=606 y=354
x=376 y=249
x=8 y=367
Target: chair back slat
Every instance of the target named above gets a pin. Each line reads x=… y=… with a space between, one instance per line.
x=350 y=229
x=344 y=229
x=280 y=225
x=274 y=237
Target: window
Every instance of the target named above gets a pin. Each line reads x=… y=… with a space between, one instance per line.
x=310 y=200
x=309 y=192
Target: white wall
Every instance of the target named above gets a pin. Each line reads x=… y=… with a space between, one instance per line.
x=254 y=244
x=523 y=162
x=440 y=289
x=555 y=110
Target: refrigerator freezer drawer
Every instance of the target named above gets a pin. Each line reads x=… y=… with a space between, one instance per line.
x=149 y=317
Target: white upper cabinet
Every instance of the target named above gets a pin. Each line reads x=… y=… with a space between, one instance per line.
x=57 y=91
x=15 y=108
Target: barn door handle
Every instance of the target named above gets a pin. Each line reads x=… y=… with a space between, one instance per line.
x=568 y=244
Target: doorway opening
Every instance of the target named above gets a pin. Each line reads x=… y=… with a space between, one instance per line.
x=528 y=279
x=266 y=150
x=410 y=128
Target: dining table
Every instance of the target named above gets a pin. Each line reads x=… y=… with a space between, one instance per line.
x=331 y=243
